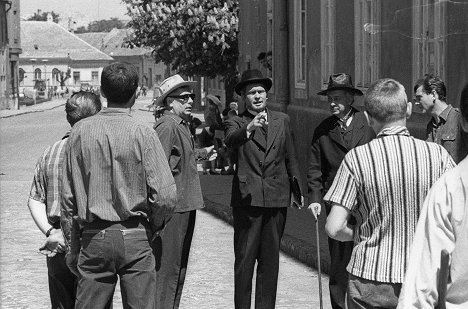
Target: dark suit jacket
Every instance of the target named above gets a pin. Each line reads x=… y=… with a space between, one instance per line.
x=263 y=167
x=328 y=150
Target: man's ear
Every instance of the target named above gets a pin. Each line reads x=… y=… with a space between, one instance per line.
x=102 y=92
x=409 y=109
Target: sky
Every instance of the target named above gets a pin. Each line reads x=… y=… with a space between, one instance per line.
x=89 y=10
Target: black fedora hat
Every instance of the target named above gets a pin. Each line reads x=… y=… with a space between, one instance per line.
x=252 y=77
x=340 y=81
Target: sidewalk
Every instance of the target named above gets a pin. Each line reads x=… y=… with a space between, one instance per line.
x=5 y=113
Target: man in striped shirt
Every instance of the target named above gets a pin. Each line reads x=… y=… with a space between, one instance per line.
x=442 y=227
x=383 y=184
x=44 y=203
x=117 y=191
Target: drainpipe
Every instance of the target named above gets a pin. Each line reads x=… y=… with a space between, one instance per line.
x=281 y=53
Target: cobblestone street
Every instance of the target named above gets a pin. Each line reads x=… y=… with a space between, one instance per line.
x=23 y=279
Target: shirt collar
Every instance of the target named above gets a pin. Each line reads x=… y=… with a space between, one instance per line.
x=115 y=111
x=175 y=117
x=444 y=115
x=396 y=130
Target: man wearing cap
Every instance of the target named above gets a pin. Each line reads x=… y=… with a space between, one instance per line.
x=345 y=129
x=172 y=247
x=260 y=189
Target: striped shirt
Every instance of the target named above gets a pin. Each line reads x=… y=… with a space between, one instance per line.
x=115 y=169
x=384 y=183
x=46 y=186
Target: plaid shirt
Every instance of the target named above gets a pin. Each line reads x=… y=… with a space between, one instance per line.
x=46 y=184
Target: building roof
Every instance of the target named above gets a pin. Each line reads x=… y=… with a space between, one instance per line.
x=112 y=42
x=40 y=39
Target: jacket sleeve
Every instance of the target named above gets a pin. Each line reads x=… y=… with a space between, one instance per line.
x=235 y=132
x=291 y=161
x=314 y=173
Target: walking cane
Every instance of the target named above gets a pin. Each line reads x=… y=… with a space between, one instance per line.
x=318 y=262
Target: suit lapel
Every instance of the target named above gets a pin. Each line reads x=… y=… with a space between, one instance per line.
x=335 y=135
x=273 y=129
x=358 y=128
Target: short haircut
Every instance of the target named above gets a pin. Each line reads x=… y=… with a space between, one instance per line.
x=434 y=83
x=464 y=103
x=386 y=100
x=119 y=82
x=82 y=104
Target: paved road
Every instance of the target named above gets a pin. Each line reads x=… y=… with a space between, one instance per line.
x=23 y=280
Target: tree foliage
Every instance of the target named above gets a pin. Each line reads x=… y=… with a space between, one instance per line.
x=104 y=25
x=62 y=76
x=194 y=37
x=43 y=16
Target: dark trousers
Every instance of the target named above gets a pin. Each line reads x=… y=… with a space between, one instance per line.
x=368 y=294
x=111 y=249
x=340 y=254
x=172 y=249
x=257 y=237
x=62 y=283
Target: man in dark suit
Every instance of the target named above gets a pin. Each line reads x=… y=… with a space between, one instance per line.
x=333 y=138
x=260 y=189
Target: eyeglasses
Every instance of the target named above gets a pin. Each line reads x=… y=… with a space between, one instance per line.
x=184 y=97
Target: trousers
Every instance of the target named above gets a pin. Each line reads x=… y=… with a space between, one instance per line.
x=171 y=250
x=368 y=294
x=62 y=283
x=116 y=249
x=257 y=238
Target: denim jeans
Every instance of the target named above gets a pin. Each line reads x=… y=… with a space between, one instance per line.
x=116 y=249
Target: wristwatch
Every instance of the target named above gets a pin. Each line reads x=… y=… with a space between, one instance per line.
x=47 y=234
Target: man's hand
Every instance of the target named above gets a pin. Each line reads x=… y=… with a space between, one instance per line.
x=72 y=262
x=315 y=209
x=53 y=244
x=260 y=120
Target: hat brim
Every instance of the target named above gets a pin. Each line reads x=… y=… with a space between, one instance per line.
x=161 y=98
x=353 y=90
x=264 y=81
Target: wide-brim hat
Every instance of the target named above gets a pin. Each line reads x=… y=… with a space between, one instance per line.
x=169 y=85
x=213 y=99
x=340 y=81
x=252 y=77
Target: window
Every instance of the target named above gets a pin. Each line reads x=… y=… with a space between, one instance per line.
x=270 y=37
x=37 y=74
x=327 y=26
x=21 y=76
x=300 y=43
x=367 y=46
x=55 y=76
x=76 y=77
x=95 y=78
x=429 y=31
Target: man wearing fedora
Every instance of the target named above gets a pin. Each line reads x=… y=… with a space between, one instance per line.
x=345 y=129
x=172 y=246
x=260 y=189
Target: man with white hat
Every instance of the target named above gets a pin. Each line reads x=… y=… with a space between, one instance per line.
x=172 y=247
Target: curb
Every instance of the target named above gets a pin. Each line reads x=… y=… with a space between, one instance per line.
x=292 y=246
x=31 y=111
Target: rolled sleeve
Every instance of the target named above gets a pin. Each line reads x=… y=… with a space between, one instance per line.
x=38 y=187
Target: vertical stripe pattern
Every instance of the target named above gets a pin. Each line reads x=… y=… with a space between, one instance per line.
x=384 y=183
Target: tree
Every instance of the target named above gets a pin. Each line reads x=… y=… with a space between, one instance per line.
x=103 y=25
x=194 y=37
x=62 y=76
x=43 y=16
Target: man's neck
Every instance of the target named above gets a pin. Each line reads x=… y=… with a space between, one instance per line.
x=378 y=126
x=439 y=107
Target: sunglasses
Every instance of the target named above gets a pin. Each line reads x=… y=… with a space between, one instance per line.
x=184 y=97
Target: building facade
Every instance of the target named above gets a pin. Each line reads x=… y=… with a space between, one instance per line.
x=54 y=59
x=10 y=49
x=369 y=39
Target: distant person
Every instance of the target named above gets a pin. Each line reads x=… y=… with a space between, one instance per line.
x=443 y=129
x=172 y=246
x=383 y=184
x=44 y=203
x=442 y=227
x=344 y=130
x=117 y=192
x=261 y=191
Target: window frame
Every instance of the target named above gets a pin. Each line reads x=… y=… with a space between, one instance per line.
x=327 y=39
x=300 y=44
